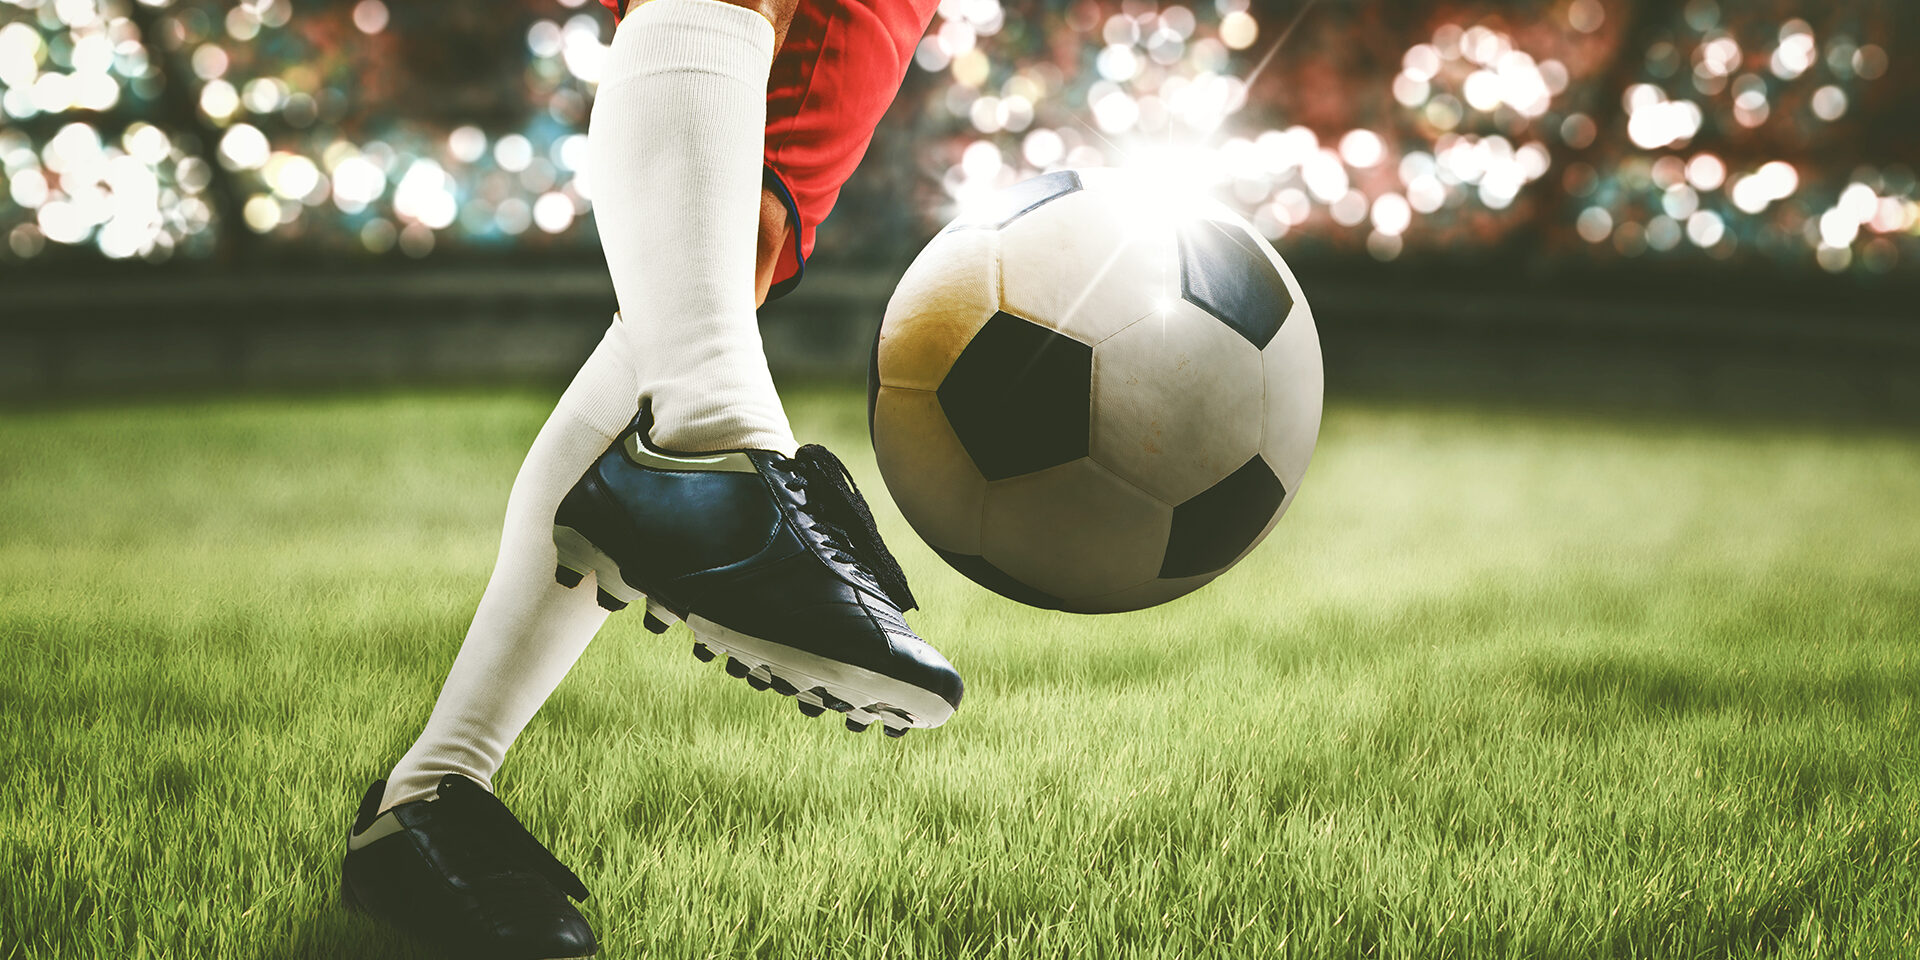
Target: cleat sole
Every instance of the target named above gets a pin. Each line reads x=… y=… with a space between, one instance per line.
x=578 y=557
x=659 y=618
x=830 y=701
x=578 y=554
x=863 y=696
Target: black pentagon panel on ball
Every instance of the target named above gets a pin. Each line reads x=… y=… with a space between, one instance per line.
x=1019 y=397
x=1214 y=525
x=999 y=581
x=1225 y=271
x=1022 y=198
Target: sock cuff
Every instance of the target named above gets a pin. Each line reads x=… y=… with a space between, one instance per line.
x=706 y=36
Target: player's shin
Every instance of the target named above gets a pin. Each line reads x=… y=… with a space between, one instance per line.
x=676 y=144
x=528 y=631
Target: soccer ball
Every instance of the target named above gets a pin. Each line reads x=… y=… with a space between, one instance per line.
x=1089 y=396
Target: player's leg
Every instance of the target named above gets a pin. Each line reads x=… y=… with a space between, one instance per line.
x=459 y=871
x=453 y=864
x=675 y=143
x=527 y=631
x=703 y=505
x=776 y=231
x=432 y=850
x=525 y=636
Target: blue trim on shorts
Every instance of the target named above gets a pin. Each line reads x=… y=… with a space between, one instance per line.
x=779 y=188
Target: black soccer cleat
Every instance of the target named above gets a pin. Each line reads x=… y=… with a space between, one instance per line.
x=773 y=561
x=459 y=873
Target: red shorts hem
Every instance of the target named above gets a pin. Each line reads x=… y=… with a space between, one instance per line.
x=793 y=260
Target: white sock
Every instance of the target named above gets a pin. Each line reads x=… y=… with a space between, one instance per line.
x=676 y=140
x=528 y=630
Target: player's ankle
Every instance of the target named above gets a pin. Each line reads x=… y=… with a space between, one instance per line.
x=723 y=432
x=704 y=414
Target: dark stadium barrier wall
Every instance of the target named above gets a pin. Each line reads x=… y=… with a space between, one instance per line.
x=80 y=340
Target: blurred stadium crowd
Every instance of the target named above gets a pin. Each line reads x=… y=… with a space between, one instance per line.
x=1768 y=132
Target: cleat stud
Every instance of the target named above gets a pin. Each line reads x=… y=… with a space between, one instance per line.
x=567 y=578
x=856 y=726
x=812 y=709
x=757 y=683
x=611 y=602
x=894 y=732
x=830 y=701
x=657 y=613
x=736 y=668
x=782 y=687
x=703 y=653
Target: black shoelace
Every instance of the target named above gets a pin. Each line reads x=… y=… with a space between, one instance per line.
x=494 y=817
x=843 y=520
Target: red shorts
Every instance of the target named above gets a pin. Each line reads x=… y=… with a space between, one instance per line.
x=839 y=69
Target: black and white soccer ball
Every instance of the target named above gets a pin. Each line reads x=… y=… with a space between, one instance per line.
x=1088 y=396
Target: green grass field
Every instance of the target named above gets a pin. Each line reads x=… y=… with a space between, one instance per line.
x=1501 y=685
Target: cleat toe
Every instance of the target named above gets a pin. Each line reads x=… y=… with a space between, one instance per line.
x=611 y=602
x=736 y=668
x=567 y=578
x=703 y=652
